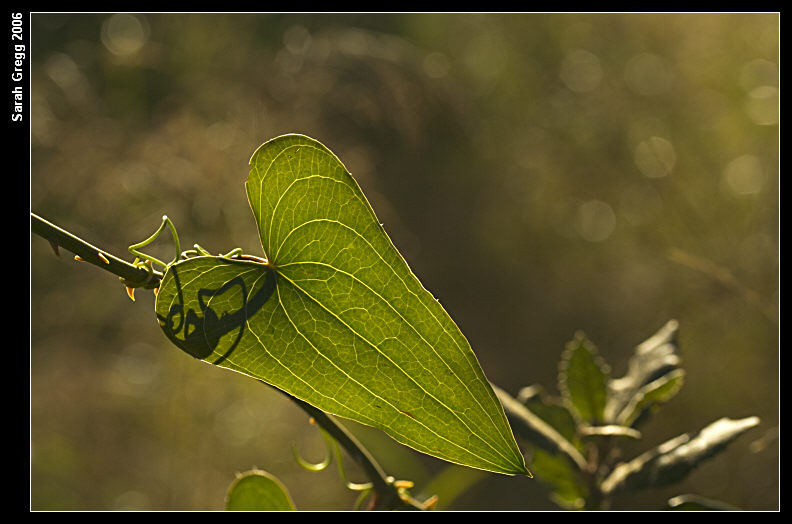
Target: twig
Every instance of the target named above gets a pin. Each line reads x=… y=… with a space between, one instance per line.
x=387 y=495
x=722 y=276
x=91 y=254
x=386 y=492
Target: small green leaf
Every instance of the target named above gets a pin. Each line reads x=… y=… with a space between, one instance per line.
x=673 y=460
x=653 y=358
x=538 y=432
x=552 y=411
x=556 y=469
x=697 y=503
x=649 y=397
x=582 y=379
x=335 y=316
x=258 y=490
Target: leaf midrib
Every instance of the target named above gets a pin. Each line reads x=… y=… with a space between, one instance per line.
x=418 y=333
x=366 y=207
x=352 y=379
x=368 y=342
x=335 y=167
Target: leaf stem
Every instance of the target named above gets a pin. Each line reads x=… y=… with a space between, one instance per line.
x=93 y=255
x=387 y=495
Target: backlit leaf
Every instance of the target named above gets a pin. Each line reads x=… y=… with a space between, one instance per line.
x=534 y=429
x=336 y=317
x=582 y=379
x=569 y=491
x=652 y=359
x=673 y=460
x=649 y=397
x=258 y=490
x=551 y=410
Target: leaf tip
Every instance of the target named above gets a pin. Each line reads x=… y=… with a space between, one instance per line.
x=518 y=469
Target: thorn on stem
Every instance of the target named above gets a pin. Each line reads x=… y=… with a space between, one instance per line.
x=103 y=258
x=54 y=246
x=131 y=292
x=78 y=258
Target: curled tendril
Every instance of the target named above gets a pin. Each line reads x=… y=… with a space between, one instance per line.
x=134 y=247
x=334 y=449
x=352 y=486
x=146 y=262
x=319 y=466
x=198 y=251
x=366 y=490
x=201 y=251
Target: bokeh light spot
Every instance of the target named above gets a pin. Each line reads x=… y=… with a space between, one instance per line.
x=762 y=105
x=63 y=71
x=297 y=40
x=124 y=35
x=595 y=221
x=581 y=71
x=758 y=72
x=744 y=175
x=655 y=157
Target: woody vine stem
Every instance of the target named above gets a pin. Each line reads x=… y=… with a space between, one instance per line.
x=135 y=275
x=388 y=494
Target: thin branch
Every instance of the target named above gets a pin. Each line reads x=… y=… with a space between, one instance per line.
x=387 y=493
x=88 y=253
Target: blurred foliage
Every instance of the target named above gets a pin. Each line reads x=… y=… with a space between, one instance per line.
x=541 y=173
x=576 y=440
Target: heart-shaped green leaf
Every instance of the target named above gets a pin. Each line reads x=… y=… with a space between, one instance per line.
x=558 y=471
x=336 y=317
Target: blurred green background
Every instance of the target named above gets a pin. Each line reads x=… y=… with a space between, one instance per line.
x=541 y=173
